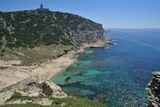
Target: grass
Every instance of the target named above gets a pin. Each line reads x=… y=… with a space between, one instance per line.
x=80 y=102
x=23 y=105
x=33 y=58
x=56 y=102
x=17 y=95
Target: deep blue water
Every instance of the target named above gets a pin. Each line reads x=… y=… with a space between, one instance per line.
x=116 y=75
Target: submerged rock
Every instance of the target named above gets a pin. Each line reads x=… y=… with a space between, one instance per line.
x=67 y=79
x=100 y=97
x=154 y=90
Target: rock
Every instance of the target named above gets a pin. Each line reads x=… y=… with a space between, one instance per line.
x=51 y=89
x=32 y=87
x=99 y=97
x=154 y=90
x=101 y=43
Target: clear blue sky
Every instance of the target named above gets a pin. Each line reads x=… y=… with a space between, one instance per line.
x=111 y=13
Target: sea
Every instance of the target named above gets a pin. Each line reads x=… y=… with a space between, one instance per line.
x=116 y=75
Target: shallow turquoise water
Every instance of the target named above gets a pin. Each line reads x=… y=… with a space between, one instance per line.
x=116 y=75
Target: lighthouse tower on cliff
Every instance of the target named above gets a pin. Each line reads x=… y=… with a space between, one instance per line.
x=42 y=9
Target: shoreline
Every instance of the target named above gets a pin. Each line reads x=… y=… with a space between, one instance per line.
x=47 y=70
x=40 y=77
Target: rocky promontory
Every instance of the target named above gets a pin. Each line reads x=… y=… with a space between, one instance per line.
x=154 y=90
x=37 y=44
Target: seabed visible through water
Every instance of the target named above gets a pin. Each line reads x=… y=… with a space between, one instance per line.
x=119 y=74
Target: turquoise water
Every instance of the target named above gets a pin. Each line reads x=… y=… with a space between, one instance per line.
x=116 y=75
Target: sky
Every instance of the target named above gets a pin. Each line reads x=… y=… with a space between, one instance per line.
x=110 y=13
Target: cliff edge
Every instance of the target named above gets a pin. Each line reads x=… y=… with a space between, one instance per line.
x=154 y=90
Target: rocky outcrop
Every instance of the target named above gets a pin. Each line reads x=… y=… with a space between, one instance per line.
x=154 y=90
x=101 y=43
x=32 y=87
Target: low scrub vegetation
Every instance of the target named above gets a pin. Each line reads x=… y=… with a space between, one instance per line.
x=56 y=102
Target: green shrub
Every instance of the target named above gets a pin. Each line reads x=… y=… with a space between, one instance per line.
x=56 y=102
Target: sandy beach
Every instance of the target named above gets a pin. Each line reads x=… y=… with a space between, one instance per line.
x=12 y=74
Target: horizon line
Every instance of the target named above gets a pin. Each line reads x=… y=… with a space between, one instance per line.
x=130 y=28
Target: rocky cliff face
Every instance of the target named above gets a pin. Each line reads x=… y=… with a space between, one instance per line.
x=154 y=91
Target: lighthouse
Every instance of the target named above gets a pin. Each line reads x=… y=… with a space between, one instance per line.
x=42 y=9
x=41 y=6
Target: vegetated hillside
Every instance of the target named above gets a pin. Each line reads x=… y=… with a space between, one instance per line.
x=36 y=27
x=34 y=36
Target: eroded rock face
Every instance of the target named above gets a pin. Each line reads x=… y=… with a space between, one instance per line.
x=32 y=87
x=51 y=89
x=154 y=90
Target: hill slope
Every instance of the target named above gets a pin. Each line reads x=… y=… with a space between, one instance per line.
x=35 y=27
x=35 y=36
